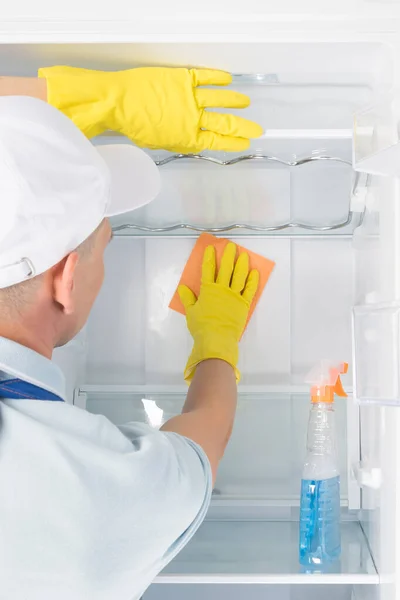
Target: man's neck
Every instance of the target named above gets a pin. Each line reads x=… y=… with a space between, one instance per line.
x=22 y=335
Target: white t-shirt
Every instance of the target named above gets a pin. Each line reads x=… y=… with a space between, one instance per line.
x=88 y=511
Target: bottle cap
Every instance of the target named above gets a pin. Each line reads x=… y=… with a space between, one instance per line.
x=325 y=381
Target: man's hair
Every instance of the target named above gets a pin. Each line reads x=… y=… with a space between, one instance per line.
x=15 y=297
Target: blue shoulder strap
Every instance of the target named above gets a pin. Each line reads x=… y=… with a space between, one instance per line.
x=17 y=389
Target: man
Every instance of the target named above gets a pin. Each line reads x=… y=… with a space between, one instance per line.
x=87 y=510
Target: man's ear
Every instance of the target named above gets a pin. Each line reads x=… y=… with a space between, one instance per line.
x=63 y=282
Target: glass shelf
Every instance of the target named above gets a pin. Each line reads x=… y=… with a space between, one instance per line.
x=265 y=552
x=263 y=461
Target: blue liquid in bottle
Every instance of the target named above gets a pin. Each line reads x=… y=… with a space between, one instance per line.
x=319 y=542
x=319 y=521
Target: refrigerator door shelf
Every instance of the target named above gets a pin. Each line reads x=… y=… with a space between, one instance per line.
x=376 y=146
x=376 y=353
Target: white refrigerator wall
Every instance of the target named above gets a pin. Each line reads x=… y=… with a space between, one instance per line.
x=304 y=313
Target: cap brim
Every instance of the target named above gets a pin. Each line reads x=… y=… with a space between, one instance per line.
x=135 y=179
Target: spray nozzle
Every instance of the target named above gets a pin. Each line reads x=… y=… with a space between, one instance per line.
x=325 y=381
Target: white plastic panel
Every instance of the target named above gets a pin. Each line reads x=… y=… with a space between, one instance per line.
x=262 y=361
x=167 y=342
x=322 y=297
x=303 y=315
x=115 y=334
x=143 y=341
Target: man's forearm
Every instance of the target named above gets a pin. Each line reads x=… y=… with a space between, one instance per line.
x=212 y=380
x=209 y=410
x=24 y=86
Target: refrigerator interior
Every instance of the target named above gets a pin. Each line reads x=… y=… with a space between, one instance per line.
x=298 y=202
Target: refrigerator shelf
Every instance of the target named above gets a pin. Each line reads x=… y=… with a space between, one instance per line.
x=261 y=469
x=236 y=227
x=148 y=220
x=265 y=552
x=125 y=391
x=250 y=157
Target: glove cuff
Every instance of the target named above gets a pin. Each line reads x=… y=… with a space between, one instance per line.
x=228 y=351
x=87 y=97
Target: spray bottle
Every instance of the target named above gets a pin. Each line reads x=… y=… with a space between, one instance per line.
x=320 y=485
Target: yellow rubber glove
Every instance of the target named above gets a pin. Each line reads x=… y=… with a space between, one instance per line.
x=154 y=107
x=217 y=318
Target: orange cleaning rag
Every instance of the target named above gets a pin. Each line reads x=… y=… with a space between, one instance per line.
x=191 y=275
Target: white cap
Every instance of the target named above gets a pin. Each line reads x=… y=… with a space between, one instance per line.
x=56 y=187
